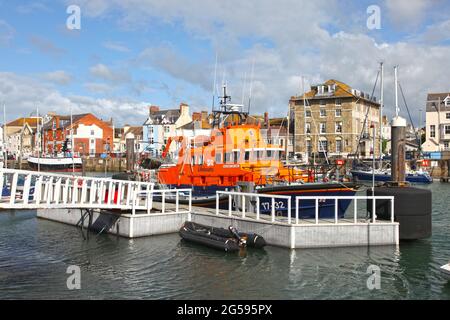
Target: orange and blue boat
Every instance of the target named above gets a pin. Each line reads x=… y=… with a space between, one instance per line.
x=236 y=154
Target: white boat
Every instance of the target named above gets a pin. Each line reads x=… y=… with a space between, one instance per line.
x=446 y=269
x=61 y=163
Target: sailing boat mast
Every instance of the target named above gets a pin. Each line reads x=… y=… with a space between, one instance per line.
x=381 y=113
x=71 y=138
x=304 y=118
x=4 y=135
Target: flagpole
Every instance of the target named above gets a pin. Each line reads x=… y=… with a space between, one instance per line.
x=4 y=135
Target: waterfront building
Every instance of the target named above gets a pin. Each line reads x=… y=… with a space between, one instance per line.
x=162 y=124
x=91 y=135
x=329 y=120
x=127 y=131
x=21 y=136
x=437 y=137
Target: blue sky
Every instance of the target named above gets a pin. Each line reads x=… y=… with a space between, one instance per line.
x=132 y=53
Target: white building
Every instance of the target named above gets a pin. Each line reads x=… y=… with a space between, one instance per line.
x=437 y=123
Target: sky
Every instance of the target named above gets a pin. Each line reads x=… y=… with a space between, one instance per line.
x=129 y=54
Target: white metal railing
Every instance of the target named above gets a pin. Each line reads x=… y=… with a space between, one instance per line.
x=336 y=199
x=39 y=190
x=143 y=200
x=318 y=201
x=244 y=196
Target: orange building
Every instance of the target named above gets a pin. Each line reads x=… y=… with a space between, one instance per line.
x=91 y=136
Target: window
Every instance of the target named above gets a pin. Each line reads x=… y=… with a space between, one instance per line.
x=323 y=113
x=338 y=146
x=447 y=129
x=308 y=128
x=338 y=127
x=269 y=154
x=338 y=102
x=447 y=115
x=92 y=132
x=227 y=157
x=322 y=102
x=323 y=146
x=323 y=127
x=446 y=145
x=218 y=158
x=247 y=156
x=308 y=146
x=308 y=113
x=338 y=113
x=151 y=129
x=152 y=141
x=166 y=129
x=447 y=102
x=236 y=156
x=433 y=131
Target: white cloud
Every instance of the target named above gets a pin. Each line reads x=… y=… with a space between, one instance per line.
x=407 y=13
x=58 y=77
x=115 y=46
x=103 y=72
x=6 y=33
x=22 y=94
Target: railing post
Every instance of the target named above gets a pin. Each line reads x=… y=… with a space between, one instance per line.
x=374 y=214
x=273 y=209
x=257 y=208
x=190 y=205
x=26 y=189
x=57 y=190
x=392 y=210
x=289 y=210
x=296 y=209
x=316 y=209
x=336 y=211
x=355 y=211
x=243 y=206
x=176 y=201
x=133 y=205
x=2 y=177
x=163 y=204
x=229 y=205
x=217 y=202
x=50 y=190
x=12 y=198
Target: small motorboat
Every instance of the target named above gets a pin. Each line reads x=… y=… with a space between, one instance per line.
x=446 y=269
x=228 y=240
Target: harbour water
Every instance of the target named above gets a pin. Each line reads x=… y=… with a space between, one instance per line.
x=35 y=255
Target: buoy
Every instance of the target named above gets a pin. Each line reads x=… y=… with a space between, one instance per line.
x=412 y=210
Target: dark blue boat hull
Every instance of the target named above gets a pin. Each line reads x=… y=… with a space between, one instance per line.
x=363 y=176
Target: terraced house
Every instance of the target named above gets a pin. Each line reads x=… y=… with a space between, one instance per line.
x=329 y=120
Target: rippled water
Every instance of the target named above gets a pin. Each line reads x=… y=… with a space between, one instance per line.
x=35 y=254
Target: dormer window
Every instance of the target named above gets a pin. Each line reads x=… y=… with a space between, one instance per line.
x=447 y=101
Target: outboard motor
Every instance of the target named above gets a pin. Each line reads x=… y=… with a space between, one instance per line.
x=242 y=241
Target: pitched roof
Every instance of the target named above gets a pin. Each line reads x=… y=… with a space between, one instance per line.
x=170 y=116
x=197 y=124
x=341 y=90
x=31 y=121
x=433 y=98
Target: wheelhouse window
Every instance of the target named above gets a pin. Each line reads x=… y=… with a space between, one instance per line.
x=218 y=157
x=228 y=157
x=236 y=156
x=247 y=156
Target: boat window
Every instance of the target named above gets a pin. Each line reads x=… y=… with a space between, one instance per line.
x=269 y=154
x=259 y=155
x=200 y=159
x=193 y=160
x=227 y=157
x=218 y=158
x=236 y=156
x=247 y=156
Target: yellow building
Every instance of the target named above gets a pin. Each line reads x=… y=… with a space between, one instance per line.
x=329 y=119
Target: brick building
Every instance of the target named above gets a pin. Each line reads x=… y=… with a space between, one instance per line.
x=329 y=119
x=91 y=136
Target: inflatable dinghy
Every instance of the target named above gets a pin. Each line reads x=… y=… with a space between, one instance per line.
x=219 y=238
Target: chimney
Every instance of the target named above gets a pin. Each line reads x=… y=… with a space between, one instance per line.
x=266 y=119
x=204 y=115
x=153 y=109
x=184 y=108
x=196 y=116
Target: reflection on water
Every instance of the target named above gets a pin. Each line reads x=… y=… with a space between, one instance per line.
x=35 y=254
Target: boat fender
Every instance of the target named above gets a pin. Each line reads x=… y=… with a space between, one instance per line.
x=242 y=241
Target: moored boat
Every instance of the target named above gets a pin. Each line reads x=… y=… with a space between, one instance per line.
x=385 y=175
x=55 y=164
